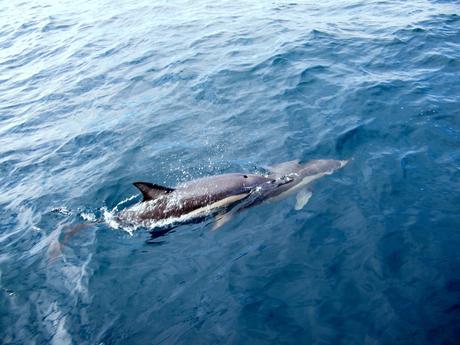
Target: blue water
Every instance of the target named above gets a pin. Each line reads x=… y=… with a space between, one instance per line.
x=96 y=95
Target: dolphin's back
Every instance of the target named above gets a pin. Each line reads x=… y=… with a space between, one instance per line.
x=216 y=187
x=321 y=166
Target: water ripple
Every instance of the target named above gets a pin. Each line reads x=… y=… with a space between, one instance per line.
x=96 y=95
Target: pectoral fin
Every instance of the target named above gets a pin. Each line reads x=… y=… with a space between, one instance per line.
x=221 y=220
x=302 y=199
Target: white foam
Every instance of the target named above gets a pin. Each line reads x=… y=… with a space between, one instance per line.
x=62 y=210
x=89 y=217
x=124 y=201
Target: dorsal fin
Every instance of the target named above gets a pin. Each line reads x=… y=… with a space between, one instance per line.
x=285 y=167
x=152 y=191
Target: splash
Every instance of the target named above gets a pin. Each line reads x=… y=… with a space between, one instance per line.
x=131 y=224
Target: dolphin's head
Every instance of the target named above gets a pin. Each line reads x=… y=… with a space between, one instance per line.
x=251 y=181
x=292 y=176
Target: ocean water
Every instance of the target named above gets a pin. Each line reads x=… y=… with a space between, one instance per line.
x=96 y=95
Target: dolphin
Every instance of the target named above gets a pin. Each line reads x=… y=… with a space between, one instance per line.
x=192 y=199
x=298 y=177
x=291 y=177
x=218 y=194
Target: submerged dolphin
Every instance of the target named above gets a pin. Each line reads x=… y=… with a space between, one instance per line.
x=291 y=177
x=298 y=176
x=212 y=194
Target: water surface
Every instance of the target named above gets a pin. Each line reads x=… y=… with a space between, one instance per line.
x=96 y=95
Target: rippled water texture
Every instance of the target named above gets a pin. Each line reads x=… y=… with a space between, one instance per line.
x=96 y=95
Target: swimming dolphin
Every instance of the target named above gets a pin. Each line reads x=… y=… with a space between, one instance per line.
x=209 y=195
x=291 y=177
x=192 y=199
x=297 y=176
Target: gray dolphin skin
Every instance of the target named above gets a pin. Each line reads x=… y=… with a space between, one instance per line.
x=298 y=176
x=216 y=194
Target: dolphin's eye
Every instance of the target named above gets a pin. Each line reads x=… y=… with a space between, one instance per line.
x=245 y=176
